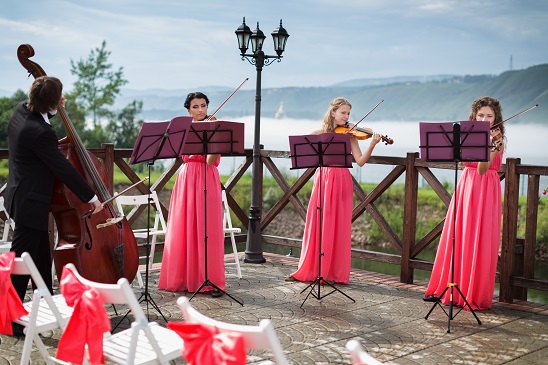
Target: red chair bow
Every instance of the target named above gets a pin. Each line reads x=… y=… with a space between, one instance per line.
x=87 y=325
x=205 y=345
x=11 y=305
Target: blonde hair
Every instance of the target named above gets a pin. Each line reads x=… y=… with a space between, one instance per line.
x=328 y=119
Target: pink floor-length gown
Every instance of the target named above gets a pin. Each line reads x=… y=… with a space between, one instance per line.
x=336 y=235
x=477 y=239
x=183 y=262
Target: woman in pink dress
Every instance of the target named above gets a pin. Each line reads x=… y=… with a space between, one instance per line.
x=336 y=204
x=183 y=262
x=478 y=218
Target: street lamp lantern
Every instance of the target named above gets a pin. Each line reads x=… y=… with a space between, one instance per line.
x=257 y=39
x=280 y=35
x=243 y=33
x=253 y=248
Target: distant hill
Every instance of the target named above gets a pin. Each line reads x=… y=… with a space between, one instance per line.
x=394 y=80
x=406 y=98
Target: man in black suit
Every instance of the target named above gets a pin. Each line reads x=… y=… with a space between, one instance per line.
x=34 y=161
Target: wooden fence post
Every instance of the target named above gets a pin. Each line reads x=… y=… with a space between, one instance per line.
x=509 y=229
x=409 y=217
x=108 y=164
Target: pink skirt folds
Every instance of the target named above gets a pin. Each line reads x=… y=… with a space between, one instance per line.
x=336 y=230
x=477 y=239
x=183 y=262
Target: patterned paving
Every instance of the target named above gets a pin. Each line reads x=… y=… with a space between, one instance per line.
x=387 y=318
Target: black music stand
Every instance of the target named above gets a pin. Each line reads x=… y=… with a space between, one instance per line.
x=219 y=137
x=156 y=141
x=320 y=150
x=454 y=142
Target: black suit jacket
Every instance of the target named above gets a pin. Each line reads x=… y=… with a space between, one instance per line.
x=34 y=161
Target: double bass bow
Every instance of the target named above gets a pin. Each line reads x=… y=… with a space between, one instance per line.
x=103 y=255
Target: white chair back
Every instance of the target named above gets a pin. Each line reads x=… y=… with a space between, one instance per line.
x=9 y=224
x=261 y=337
x=158 y=229
x=230 y=231
x=145 y=342
x=358 y=354
x=46 y=311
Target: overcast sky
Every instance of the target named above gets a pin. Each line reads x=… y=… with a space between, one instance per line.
x=180 y=44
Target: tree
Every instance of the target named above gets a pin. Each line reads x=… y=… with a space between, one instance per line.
x=124 y=129
x=94 y=93
x=97 y=86
x=77 y=116
x=6 y=110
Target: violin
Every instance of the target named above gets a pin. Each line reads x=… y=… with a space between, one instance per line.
x=361 y=133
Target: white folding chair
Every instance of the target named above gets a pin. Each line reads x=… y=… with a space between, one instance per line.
x=46 y=312
x=358 y=354
x=261 y=337
x=158 y=229
x=145 y=342
x=5 y=244
x=230 y=231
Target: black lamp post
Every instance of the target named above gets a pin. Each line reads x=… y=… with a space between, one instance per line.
x=253 y=248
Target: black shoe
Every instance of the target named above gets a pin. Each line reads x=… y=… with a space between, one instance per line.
x=431 y=298
x=18 y=329
x=216 y=293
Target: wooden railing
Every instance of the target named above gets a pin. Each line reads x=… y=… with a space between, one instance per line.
x=517 y=259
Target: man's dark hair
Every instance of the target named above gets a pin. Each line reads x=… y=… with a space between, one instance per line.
x=45 y=94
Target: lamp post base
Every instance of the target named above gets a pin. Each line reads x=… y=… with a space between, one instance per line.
x=259 y=259
x=253 y=251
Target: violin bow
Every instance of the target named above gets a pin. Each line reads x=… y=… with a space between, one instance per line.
x=365 y=116
x=224 y=102
x=515 y=115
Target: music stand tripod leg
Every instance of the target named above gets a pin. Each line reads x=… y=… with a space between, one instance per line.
x=338 y=290
x=145 y=295
x=467 y=304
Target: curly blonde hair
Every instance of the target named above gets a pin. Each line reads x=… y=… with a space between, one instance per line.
x=328 y=119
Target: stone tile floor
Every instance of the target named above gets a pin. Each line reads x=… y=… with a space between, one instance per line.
x=387 y=318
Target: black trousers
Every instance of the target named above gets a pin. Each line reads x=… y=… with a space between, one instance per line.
x=36 y=243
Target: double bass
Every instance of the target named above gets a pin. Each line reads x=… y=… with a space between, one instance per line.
x=103 y=254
